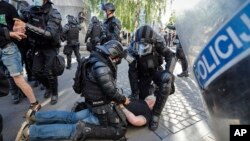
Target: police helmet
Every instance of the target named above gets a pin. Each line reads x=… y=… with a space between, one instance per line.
x=108 y=6
x=113 y=49
x=144 y=33
x=144 y=39
x=94 y=19
x=71 y=19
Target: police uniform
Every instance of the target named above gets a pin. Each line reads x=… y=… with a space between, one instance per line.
x=181 y=56
x=148 y=50
x=43 y=28
x=111 y=26
x=71 y=31
x=99 y=90
x=95 y=31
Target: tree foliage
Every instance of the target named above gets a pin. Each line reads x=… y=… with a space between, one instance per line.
x=128 y=11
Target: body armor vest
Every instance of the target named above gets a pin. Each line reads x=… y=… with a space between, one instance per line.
x=38 y=18
x=109 y=30
x=148 y=64
x=92 y=91
x=96 y=32
x=73 y=34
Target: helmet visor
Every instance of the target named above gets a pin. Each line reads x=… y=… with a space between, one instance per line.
x=143 y=49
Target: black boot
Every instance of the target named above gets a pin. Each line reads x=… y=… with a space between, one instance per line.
x=68 y=62
x=54 y=96
x=47 y=93
x=172 y=85
x=85 y=130
x=15 y=96
x=36 y=84
x=161 y=98
x=54 y=99
x=183 y=74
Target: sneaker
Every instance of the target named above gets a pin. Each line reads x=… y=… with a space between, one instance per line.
x=23 y=133
x=30 y=114
x=35 y=106
x=183 y=74
x=79 y=135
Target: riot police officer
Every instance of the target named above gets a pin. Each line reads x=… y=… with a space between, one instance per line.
x=100 y=89
x=111 y=26
x=71 y=32
x=94 y=32
x=181 y=56
x=43 y=28
x=146 y=53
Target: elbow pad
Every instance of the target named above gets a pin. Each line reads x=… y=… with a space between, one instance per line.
x=38 y=31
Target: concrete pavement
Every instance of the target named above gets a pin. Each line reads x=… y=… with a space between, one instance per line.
x=183 y=118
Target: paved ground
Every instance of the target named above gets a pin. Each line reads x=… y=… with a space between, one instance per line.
x=183 y=118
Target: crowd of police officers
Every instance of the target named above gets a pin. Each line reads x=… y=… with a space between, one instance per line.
x=145 y=55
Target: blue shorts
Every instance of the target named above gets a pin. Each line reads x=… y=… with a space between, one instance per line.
x=11 y=58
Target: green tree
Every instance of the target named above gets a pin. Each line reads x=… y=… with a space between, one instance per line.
x=128 y=11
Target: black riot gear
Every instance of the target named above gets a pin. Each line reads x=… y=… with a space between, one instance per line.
x=99 y=89
x=144 y=34
x=94 y=19
x=71 y=19
x=71 y=32
x=111 y=29
x=95 y=31
x=108 y=6
x=43 y=29
x=181 y=56
x=147 y=51
x=113 y=49
x=111 y=26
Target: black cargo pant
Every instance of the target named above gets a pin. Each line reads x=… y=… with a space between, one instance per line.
x=68 y=50
x=180 y=55
x=162 y=79
x=43 y=68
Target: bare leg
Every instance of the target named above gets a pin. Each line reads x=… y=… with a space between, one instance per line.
x=25 y=87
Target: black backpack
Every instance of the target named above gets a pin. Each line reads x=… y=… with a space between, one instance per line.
x=80 y=75
x=58 y=65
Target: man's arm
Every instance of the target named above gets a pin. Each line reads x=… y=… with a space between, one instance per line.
x=5 y=34
x=133 y=119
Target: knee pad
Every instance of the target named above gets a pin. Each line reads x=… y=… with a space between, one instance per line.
x=166 y=77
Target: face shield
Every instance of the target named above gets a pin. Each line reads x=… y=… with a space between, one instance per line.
x=142 y=49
